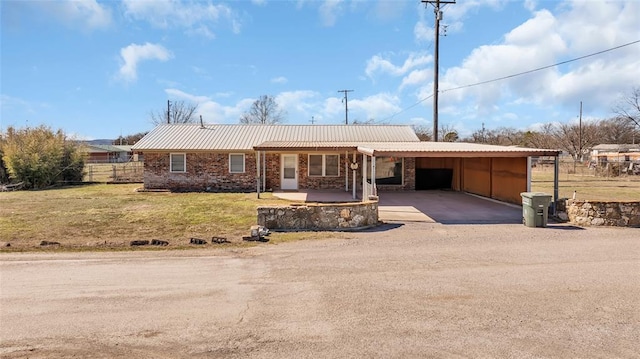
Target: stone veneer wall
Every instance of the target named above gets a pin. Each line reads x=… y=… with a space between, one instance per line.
x=319 y=216
x=594 y=213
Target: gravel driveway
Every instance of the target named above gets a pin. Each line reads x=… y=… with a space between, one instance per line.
x=414 y=290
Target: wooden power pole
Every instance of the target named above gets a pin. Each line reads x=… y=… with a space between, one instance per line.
x=438 y=16
x=346 y=106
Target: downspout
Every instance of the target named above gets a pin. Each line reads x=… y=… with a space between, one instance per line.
x=264 y=171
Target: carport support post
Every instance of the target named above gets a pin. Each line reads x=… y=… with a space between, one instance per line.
x=529 y=169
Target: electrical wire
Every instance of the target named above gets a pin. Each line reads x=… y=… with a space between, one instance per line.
x=514 y=75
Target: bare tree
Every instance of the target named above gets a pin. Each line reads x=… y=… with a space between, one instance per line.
x=449 y=134
x=263 y=111
x=618 y=130
x=503 y=136
x=629 y=107
x=577 y=140
x=542 y=138
x=423 y=132
x=129 y=139
x=176 y=112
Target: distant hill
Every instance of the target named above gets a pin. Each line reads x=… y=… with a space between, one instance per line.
x=99 y=142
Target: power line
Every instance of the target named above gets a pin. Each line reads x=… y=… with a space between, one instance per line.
x=542 y=68
x=515 y=75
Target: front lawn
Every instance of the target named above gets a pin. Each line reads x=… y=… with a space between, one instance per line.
x=110 y=216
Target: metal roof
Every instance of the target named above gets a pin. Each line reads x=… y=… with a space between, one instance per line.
x=193 y=137
x=449 y=149
x=106 y=148
x=617 y=147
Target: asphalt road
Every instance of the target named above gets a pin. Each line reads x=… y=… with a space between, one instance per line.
x=418 y=290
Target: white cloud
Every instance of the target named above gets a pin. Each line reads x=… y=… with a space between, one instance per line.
x=377 y=107
x=329 y=11
x=417 y=77
x=279 y=80
x=299 y=104
x=134 y=53
x=423 y=32
x=197 y=17
x=211 y=110
x=379 y=64
x=89 y=14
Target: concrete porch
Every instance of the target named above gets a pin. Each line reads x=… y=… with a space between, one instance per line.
x=445 y=207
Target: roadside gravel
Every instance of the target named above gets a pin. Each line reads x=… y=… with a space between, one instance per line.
x=404 y=290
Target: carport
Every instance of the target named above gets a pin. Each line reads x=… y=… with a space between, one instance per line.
x=495 y=172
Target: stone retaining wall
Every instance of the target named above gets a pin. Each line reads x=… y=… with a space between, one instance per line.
x=319 y=216
x=593 y=213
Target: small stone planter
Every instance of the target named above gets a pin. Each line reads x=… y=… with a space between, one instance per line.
x=319 y=216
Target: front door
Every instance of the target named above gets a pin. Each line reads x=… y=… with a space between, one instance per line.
x=289 y=171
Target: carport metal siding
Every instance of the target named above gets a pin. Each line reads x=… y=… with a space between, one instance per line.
x=501 y=178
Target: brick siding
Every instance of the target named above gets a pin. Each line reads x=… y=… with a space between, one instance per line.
x=210 y=172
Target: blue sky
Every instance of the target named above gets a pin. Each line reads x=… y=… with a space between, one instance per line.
x=97 y=68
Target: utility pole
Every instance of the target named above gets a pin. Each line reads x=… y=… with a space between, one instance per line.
x=346 y=106
x=313 y=120
x=438 y=16
x=168 y=112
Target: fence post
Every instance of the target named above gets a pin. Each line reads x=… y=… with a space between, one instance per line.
x=114 y=172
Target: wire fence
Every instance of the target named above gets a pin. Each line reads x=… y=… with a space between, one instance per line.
x=128 y=172
x=619 y=166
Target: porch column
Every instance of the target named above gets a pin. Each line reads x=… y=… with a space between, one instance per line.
x=374 y=190
x=365 y=186
x=354 y=177
x=264 y=170
x=346 y=171
x=258 y=173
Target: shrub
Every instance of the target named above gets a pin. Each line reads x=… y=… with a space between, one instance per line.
x=39 y=157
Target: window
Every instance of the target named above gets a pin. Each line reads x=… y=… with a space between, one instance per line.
x=331 y=165
x=324 y=165
x=315 y=165
x=236 y=162
x=178 y=162
x=388 y=170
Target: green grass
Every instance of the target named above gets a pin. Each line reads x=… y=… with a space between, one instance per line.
x=97 y=217
x=84 y=216
x=587 y=186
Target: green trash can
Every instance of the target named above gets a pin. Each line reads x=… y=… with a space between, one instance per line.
x=535 y=208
